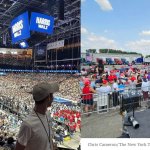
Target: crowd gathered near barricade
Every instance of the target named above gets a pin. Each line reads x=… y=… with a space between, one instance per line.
x=16 y=102
x=102 y=80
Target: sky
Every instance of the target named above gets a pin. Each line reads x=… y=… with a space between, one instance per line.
x=116 y=24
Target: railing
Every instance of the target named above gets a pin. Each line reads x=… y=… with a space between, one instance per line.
x=124 y=99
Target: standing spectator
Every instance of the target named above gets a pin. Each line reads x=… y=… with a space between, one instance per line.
x=145 y=89
x=35 y=131
x=100 y=67
x=139 y=82
x=115 y=85
x=87 y=98
x=93 y=81
x=96 y=70
x=105 y=88
x=133 y=83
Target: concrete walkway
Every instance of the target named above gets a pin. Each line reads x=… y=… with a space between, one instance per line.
x=108 y=125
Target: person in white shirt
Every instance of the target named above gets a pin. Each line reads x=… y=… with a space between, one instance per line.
x=35 y=132
x=103 y=92
x=83 y=72
x=115 y=86
x=132 y=83
x=145 y=88
x=107 y=70
x=105 y=88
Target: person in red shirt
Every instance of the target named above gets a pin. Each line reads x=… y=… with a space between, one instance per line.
x=71 y=119
x=87 y=96
x=112 y=76
x=78 y=115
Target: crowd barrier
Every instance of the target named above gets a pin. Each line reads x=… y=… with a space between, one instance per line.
x=124 y=99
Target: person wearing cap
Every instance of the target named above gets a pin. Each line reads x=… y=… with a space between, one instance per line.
x=100 y=81
x=87 y=96
x=105 y=88
x=103 y=91
x=35 y=133
x=132 y=84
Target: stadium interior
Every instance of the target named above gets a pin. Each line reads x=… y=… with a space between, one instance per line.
x=42 y=60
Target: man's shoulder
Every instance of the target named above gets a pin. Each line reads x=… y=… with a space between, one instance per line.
x=29 y=120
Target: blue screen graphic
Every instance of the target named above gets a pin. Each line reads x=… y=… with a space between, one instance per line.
x=24 y=44
x=41 y=23
x=20 y=28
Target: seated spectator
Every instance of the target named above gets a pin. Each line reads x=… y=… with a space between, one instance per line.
x=139 y=82
x=132 y=84
x=121 y=87
x=115 y=85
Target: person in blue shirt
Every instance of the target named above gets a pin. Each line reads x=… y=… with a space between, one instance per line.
x=121 y=87
x=93 y=80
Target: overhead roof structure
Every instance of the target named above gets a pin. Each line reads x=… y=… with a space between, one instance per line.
x=63 y=29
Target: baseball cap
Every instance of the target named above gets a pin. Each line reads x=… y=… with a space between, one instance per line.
x=105 y=81
x=103 y=75
x=43 y=89
x=87 y=83
x=133 y=78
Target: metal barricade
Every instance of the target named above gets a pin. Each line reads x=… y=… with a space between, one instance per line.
x=104 y=102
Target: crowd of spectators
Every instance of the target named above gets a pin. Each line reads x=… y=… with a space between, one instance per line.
x=15 y=61
x=67 y=120
x=133 y=79
x=70 y=115
x=16 y=102
x=9 y=127
x=16 y=88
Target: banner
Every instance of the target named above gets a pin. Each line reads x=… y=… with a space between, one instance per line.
x=54 y=45
x=41 y=23
x=20 y=28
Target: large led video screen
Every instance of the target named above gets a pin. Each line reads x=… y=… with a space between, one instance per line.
x=20 y=28
x=41 y=23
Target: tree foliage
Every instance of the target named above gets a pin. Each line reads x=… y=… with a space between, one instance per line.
x=147 y=56
x=116 y=51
